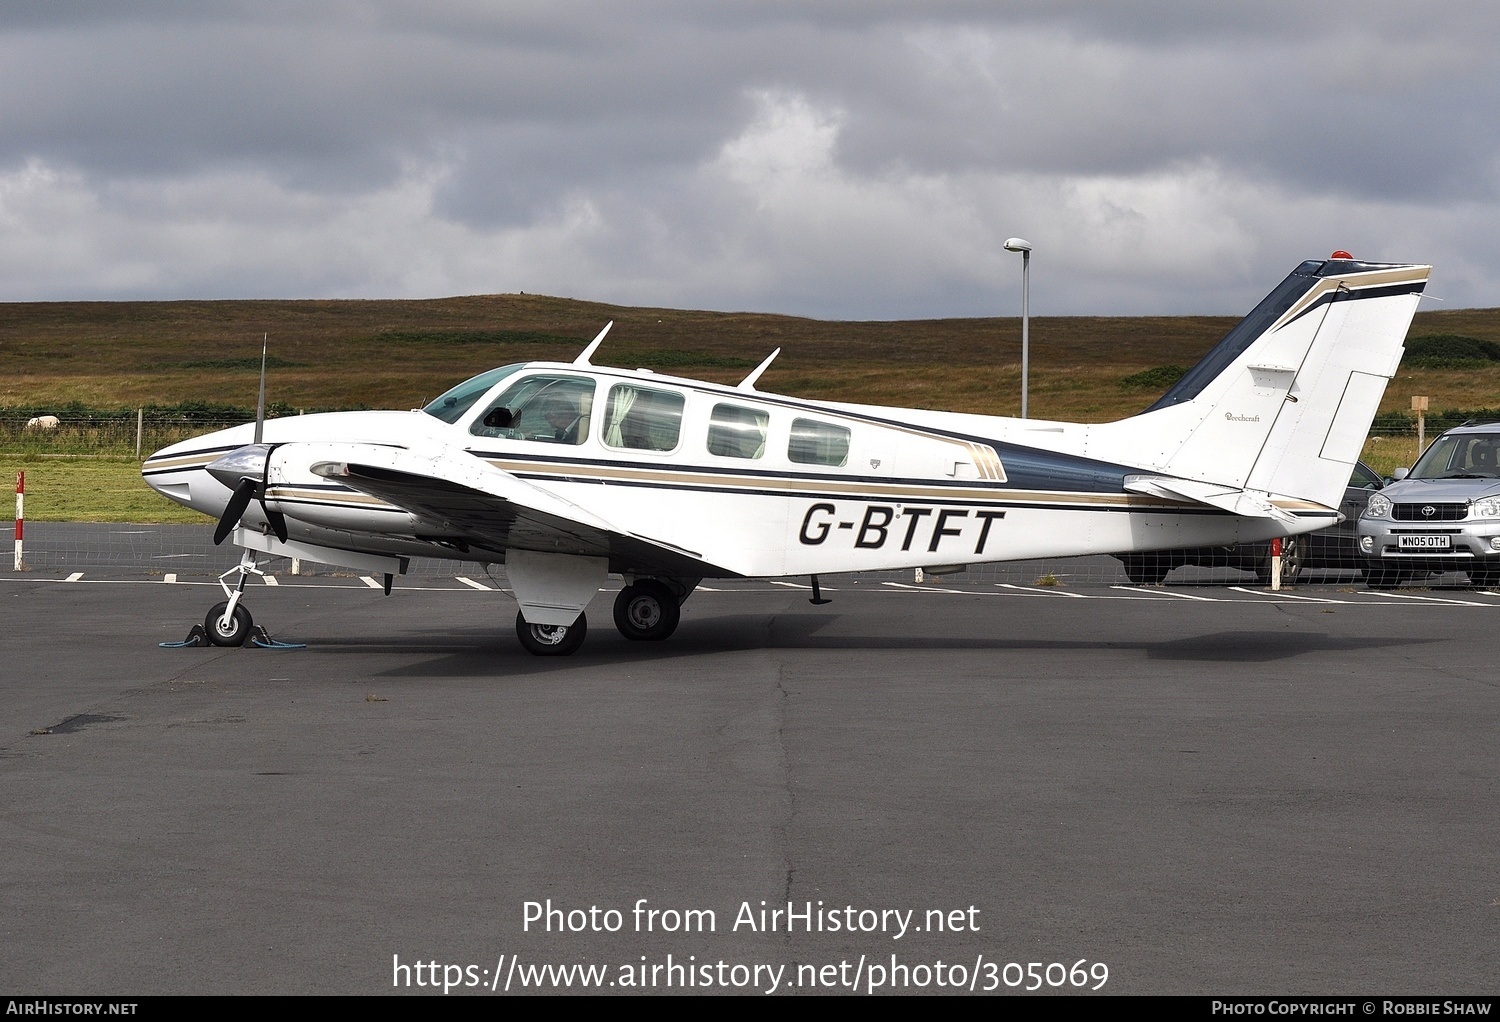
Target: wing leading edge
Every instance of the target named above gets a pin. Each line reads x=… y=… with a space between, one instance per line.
x=457 y=495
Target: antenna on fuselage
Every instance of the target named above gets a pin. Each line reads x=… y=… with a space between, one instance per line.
x=583 y=359
x=748 y=383
x=260 y=402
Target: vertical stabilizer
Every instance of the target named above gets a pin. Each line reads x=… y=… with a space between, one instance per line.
x=1283 y=403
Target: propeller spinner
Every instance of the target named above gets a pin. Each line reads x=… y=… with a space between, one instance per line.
x=244 y=471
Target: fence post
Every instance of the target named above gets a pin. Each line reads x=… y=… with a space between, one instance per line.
x=20 y=516
x=140 y=421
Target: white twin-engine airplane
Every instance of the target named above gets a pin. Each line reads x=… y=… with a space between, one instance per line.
x=566 y=472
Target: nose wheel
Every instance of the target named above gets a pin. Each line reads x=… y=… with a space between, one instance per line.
x=228 y=628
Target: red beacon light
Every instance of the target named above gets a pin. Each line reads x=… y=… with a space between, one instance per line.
x=1341 y=254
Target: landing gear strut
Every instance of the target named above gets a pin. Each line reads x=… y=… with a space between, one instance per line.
x=229 y=623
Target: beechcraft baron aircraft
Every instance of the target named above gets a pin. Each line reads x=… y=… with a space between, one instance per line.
x=568 y=471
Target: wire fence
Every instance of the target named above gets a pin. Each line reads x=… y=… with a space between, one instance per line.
x=189 y=549
x=133 y=435
x=54 y=549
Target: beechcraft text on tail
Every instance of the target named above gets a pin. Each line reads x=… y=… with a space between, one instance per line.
x=567 y=471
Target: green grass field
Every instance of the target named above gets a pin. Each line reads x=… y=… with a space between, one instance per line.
x=87 y=490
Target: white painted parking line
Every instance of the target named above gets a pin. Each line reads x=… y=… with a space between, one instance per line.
x=1165 y=592
x=367 y=580
x=74 y=577
x=472 y=584
x=270 y=580
x=1039 y=591
x=1431 y=599
x=1283 y=596
x=789 y=585
x=170 y=576
x=922 y=588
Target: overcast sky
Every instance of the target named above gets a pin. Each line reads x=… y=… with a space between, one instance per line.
x=850 y=160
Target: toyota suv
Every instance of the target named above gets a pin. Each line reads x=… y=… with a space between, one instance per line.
x=1443 y=515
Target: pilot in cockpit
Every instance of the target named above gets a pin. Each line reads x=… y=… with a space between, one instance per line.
x=561 y=414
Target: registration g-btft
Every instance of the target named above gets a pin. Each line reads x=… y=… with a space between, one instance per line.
x=884 y=526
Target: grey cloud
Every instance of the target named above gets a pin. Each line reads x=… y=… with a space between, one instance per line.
x=1166 y=151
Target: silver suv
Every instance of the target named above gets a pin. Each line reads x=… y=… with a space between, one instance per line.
x=1443 y=515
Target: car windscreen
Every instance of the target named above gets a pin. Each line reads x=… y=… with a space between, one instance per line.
x=1460 y=456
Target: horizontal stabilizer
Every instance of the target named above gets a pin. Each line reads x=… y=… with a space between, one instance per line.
x=1247 y=503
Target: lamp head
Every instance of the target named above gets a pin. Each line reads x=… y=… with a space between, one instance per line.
x=1017 y=245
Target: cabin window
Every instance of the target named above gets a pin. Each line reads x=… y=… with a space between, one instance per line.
x=818 y=443
x=641 y=419
x=550 y=409
x=735 y=431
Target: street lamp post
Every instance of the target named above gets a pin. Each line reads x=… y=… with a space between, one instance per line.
x=1023 y=246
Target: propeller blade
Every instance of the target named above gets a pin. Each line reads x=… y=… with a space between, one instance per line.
x=243 y=494
x=260 y=402
x=277 y=520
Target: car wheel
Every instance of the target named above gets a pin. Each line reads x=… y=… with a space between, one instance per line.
x=1293 y=553
x=1146 y=569
x=1484 y=578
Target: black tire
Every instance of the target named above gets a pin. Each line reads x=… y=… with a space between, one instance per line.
x=1484 y=578
x=551 y=640
x=1378 y=576
x=1146 y=569
x=1293 y=553
x=239 y=625
x=647 y=611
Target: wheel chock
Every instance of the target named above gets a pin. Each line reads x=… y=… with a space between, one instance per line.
x=196 y=637
x=262 y=638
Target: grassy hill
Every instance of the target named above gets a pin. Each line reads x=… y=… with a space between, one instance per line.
x=343 y=354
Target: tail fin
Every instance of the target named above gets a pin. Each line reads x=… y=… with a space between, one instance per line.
x=1283 y=403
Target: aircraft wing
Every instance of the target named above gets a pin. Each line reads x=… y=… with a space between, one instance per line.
x=1248 y=503
x=453 y=492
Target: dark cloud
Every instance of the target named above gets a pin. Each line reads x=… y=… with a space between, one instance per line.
x=827 y=158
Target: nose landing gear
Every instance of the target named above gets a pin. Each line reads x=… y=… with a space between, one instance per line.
x=229 y=622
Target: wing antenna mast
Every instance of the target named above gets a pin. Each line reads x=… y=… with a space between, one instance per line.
x=583 y=360
x=260 y=402
x=748 y=383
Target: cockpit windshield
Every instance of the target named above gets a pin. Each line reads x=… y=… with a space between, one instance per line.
x=450 y=407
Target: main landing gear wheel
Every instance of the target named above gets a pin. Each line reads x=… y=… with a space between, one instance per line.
x=551 y=640
x=647 y=611
x=1292 y=549
x=238 y=630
